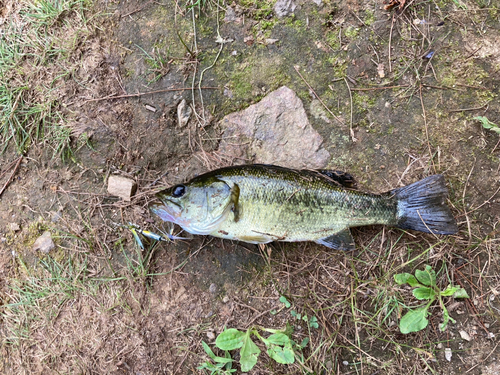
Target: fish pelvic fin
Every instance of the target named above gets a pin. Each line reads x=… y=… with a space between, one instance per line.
x=422 y=206
x=342 y=240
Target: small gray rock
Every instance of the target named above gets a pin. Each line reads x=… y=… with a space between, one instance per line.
x=184 y=112
x=230 y=15
x=122 y=187
x=213 y=288
x=464 y=335
x=225 y=299
x=56 y=216
x=44 y=243
x=284 y=7
x=211 y=335
x=448 y=354
x=14 y=227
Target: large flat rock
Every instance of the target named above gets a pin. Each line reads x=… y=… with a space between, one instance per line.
x=274 y=131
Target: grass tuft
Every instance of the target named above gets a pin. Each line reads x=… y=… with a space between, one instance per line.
x=35 y=48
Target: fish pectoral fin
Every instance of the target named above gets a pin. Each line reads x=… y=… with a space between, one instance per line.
x=342 y=240
x=235 y=197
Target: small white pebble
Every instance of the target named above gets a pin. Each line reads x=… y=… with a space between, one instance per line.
x=464 y=335
x=150 y=108
x=447 y=354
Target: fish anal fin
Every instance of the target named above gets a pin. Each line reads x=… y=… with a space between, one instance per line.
x=342 y=178
x=342 y=240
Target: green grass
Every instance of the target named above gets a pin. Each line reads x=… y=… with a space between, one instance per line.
x=158 y=64
x=38 y=296
x=34 y=59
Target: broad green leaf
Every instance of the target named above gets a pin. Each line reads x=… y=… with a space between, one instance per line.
x=278 y=339
x=446 y=318
x=460 y=293
x=487 y=124
x=414 y=321
x=427 y=276
x=304 y=342
x=223 y=360
x=285 y=302
x=424 y=293
x=283 y=355
x=313 y=322
x=449 y=291
x=229 y=364
x=406 y=278
x=230 y=339
x=210 y=366
x=208 y=350
x=249 y=353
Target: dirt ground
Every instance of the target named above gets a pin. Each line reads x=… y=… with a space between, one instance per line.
x=393 y=92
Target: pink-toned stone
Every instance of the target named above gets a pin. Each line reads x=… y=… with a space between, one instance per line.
x=274 y=131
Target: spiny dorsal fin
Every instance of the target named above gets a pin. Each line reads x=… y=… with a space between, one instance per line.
x=342 y=178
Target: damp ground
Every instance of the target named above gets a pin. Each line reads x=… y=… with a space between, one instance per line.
x=395 y=95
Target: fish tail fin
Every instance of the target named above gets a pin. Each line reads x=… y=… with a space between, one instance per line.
x=422 y=206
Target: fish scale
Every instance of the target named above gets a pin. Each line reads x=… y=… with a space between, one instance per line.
x=264 y=203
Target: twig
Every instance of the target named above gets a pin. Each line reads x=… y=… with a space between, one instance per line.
x=251 y=321
x=12 y=175
x=378 y=88
x=471 y=87
x=316 y=95
x=426 y=127
x=441 y=87
x=494 y=148
x=390 y=39
x=481 y=205
x=146 y=93
x=351 y=132
x=484 y=359
x=463 y=199
x=137 y=10
x=469 y=109
x=222 y=41
x=8 y=167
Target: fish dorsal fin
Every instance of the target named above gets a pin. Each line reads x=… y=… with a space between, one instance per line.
x=235 y=197
x=342 y=240
x=342 y=178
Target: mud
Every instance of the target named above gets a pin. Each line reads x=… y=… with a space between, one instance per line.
x=398 y=116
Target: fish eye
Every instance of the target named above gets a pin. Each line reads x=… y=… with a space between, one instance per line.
x=178 y=191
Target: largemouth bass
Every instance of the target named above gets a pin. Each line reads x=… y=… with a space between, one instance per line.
x=264 y=203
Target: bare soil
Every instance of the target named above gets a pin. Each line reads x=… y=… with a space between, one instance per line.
x=99 y=304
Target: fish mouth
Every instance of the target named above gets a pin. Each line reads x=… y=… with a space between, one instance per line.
x=164 y=212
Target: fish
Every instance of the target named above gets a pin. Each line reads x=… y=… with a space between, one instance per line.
x=260 y=203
